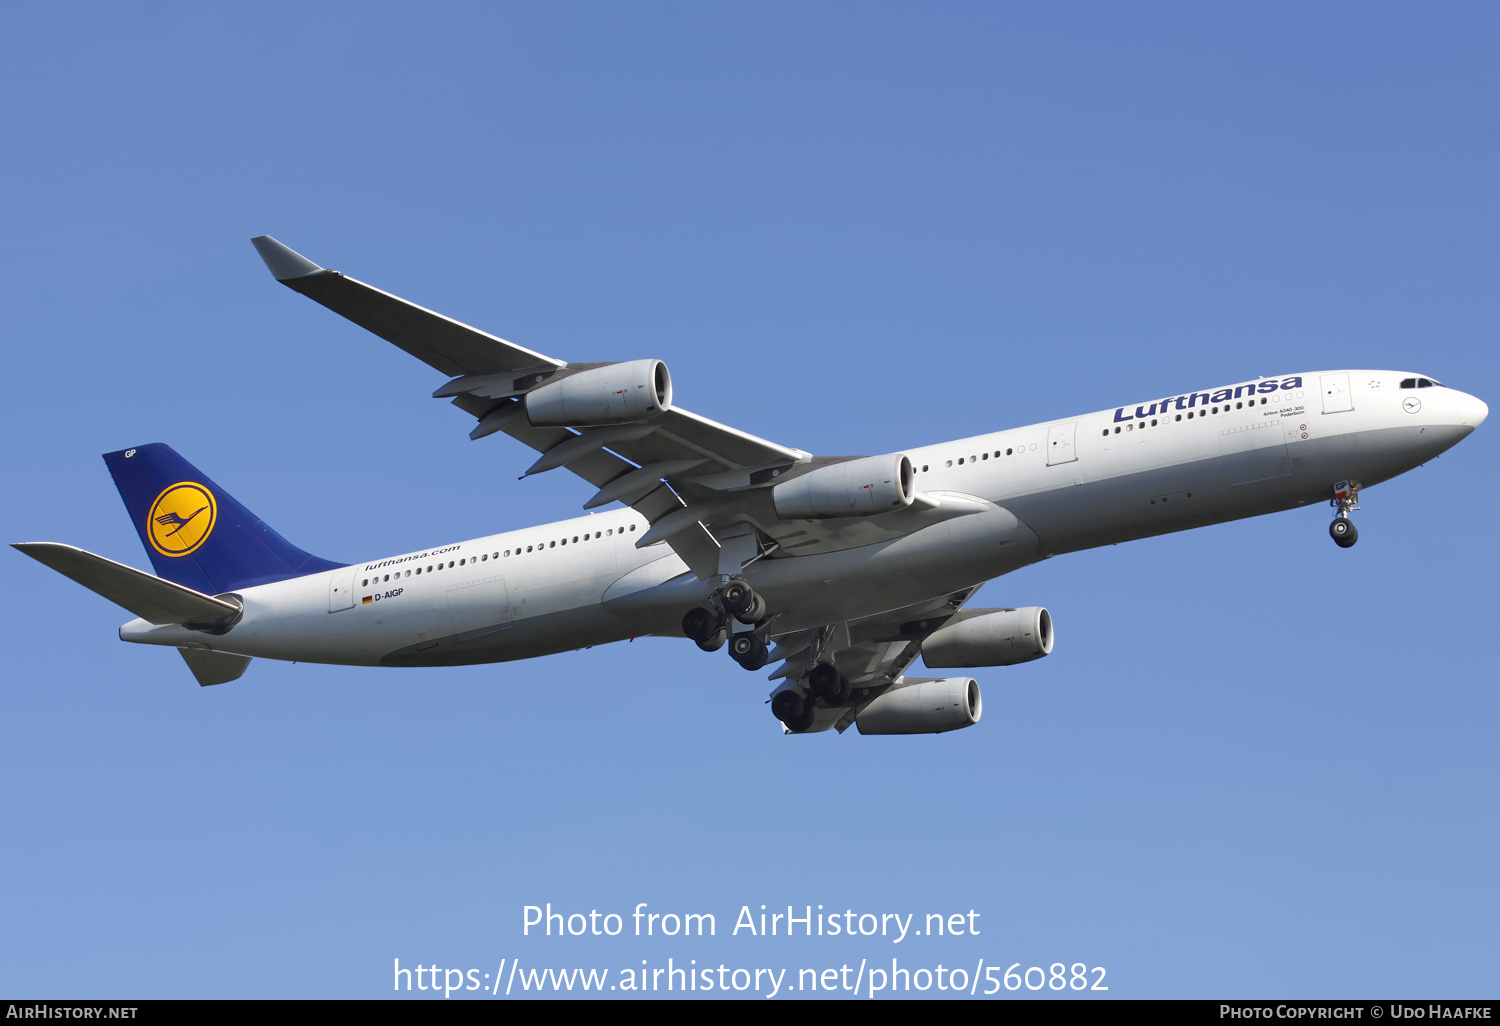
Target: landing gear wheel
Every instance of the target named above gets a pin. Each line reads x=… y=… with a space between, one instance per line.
x=700 y=624
x=1344 y=532
x=748 y=650
x=755 y=614
x=825 y=682
x=738 y=598
x=714 y=641
x=789 y=708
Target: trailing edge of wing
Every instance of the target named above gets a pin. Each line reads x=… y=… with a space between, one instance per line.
x=148 y=597
x=450 y=346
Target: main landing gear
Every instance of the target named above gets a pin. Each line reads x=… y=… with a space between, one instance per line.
x=1345 y=500
x=796 y=711
x=710 y=628
x=793 y=710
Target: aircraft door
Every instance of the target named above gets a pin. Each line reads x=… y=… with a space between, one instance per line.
x=341 y=590
x=1337 y=398
x=1060 y=438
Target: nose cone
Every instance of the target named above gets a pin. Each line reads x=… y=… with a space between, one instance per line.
x=1471 y=410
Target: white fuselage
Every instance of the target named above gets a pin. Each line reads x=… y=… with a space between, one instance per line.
x=1004 y=500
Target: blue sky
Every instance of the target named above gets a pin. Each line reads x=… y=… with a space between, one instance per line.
x=1255 y=765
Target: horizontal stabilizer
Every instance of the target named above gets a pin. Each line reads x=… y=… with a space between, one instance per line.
x=148 y=597
x=214 y=667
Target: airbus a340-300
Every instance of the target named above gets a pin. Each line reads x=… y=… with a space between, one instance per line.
x=841 y=569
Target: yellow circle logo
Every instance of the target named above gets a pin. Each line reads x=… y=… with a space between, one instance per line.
x=181 y=518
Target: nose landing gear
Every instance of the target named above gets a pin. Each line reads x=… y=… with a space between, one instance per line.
x=1345 y=500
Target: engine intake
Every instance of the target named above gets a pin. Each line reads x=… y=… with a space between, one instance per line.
x=617 y=393
x=854 y=488
x=924 y=707
x=990 y=637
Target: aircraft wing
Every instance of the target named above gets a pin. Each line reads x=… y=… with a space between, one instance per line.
x=441 y=342
x=871 y=653
x=683 y=473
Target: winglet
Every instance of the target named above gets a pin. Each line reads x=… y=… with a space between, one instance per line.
x=282 y=262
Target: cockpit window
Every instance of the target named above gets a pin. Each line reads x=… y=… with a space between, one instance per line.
x=1408 y=382
x=1425 y=383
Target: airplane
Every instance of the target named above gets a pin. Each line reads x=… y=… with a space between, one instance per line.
x=841 y=569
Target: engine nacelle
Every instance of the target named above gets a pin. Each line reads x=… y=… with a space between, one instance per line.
x=990 y=637
x=927 y=707
x=854 y=488
x=617 y=393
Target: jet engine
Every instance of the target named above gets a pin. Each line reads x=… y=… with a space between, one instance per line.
x=617 y=393
x=990 y=637
x=924 y=707
x=854 y=488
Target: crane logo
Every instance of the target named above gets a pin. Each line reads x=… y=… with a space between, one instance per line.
x=181 y=518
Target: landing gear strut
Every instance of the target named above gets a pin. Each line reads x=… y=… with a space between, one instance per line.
x=1345 y=499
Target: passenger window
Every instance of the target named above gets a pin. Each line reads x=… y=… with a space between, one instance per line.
x=924 y=468
x=950 y=463
x=528 y=548
x=552 y=545
x=575 y=539
x=365 y=583
x=986 y=456
x=1179 y=416
x=632 y=527
x=1153 y=422
x=1009 y=451
x=1106 y=432
x=484 y=558
x=1408 y=382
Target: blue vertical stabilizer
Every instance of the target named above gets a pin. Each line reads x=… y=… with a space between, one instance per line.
x=196 y=533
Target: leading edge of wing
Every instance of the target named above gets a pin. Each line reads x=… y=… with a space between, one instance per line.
x=440 y=342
